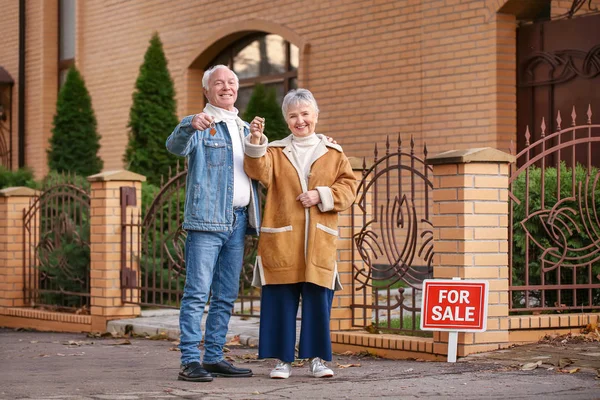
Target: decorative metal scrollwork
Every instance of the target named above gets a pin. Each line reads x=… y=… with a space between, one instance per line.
x=564 y=65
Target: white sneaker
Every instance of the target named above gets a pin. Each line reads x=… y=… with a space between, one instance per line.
x=319 y=369
x=282 y=370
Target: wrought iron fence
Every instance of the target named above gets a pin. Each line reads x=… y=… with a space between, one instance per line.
x=160 y=278
x=555 y=230
x=56 y=233
x=392 y=234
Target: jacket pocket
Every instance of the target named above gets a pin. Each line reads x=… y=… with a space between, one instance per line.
x=215 y=152
x=274 y=248
x=325 y=247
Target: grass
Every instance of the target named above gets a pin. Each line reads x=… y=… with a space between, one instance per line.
x=388 y=283
x=407 y=321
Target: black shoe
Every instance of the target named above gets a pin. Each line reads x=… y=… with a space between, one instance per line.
x=194 y=372
x=223 y=368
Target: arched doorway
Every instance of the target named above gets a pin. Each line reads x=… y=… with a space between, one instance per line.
x=261 y=57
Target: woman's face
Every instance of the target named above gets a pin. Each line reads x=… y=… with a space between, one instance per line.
x=301 y=119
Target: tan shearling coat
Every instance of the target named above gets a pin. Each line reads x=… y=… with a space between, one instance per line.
x=298 y=244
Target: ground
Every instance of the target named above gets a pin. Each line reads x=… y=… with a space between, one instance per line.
x=38 y=365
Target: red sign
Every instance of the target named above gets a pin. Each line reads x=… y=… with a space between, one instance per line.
x=454 y=305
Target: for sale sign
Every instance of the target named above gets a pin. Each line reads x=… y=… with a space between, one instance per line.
x=454 y=305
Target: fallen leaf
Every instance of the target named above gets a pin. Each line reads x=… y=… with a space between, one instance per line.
x=348 y=353
x=122 y=343
x=298 y=363
x=44 y=355
x=159 y=336
x=174 y=349
x=235 y=341
x=60 y=354
x=256 y=392
x=409 y=370
x=563 y=362
x=347 y=365
x=531 y=366
x=73 y=343
x=33 y=341
x=249 y=356
x=573 y=370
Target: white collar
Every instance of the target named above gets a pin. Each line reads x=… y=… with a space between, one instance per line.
x=220 y=114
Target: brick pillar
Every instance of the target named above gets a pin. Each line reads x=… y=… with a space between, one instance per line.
x=341 y=313
x=105 y=245
x=12 y=203
x=470 y=219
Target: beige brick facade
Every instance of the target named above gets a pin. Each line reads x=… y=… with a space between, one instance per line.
x=442 y=71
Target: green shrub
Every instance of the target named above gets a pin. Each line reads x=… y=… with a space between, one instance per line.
x=152 y=117
x=263 y=103
x=75 y=142
x=20 y=177
x=568 y=220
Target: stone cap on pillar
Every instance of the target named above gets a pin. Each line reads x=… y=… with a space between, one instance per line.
x=120 y=175
x=478 y=155
x=18 y=191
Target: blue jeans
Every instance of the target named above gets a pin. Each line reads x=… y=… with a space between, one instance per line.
x=213 y=261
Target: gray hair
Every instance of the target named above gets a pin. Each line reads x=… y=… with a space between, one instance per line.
x=298 y=96
x=212 y=69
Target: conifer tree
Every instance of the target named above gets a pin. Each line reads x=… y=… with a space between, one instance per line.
x=75 y=142
x=152 y=117
x=263 y=103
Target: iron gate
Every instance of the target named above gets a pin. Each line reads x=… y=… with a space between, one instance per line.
x=554 y=217
x=162 y=253
x=56 y=233
x=393 y=236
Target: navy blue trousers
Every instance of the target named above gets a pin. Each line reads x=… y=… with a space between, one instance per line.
x=278 y=309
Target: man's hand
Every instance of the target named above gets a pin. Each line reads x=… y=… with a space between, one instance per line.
x=257 y=128
x=201 y=121
x=309 y=199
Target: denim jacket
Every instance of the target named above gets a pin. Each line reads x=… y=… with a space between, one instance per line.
x=209 y=184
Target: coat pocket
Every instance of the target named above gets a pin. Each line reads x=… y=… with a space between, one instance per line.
x=274 y=248
x=324 y=247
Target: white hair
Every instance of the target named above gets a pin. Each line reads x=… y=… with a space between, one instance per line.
x=212 y=69
x=298 y=96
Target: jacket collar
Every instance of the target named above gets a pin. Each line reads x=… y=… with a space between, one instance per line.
x=321 y=150
x=286 y=142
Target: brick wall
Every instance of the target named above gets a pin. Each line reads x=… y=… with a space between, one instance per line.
x=442 y=70
x=9 y=58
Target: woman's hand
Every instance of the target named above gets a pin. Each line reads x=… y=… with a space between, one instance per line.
x=201 y=121
x=309 y=199
x=257 y=128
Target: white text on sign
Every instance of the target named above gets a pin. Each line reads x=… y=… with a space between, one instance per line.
x=453 y=313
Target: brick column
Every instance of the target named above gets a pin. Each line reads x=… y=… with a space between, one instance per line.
x=470 y=219
x=341 y=313
x=12 y=203
x=105 y=245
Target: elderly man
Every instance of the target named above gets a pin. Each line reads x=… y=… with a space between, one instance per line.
x=221 y=206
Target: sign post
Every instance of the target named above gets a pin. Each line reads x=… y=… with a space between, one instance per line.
x=454 y=306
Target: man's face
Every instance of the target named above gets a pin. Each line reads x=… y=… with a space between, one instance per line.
x=222 y=89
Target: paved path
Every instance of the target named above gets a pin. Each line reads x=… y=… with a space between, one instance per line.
x=38 y=365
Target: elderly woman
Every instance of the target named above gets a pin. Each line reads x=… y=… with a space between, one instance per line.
x=308 y=181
